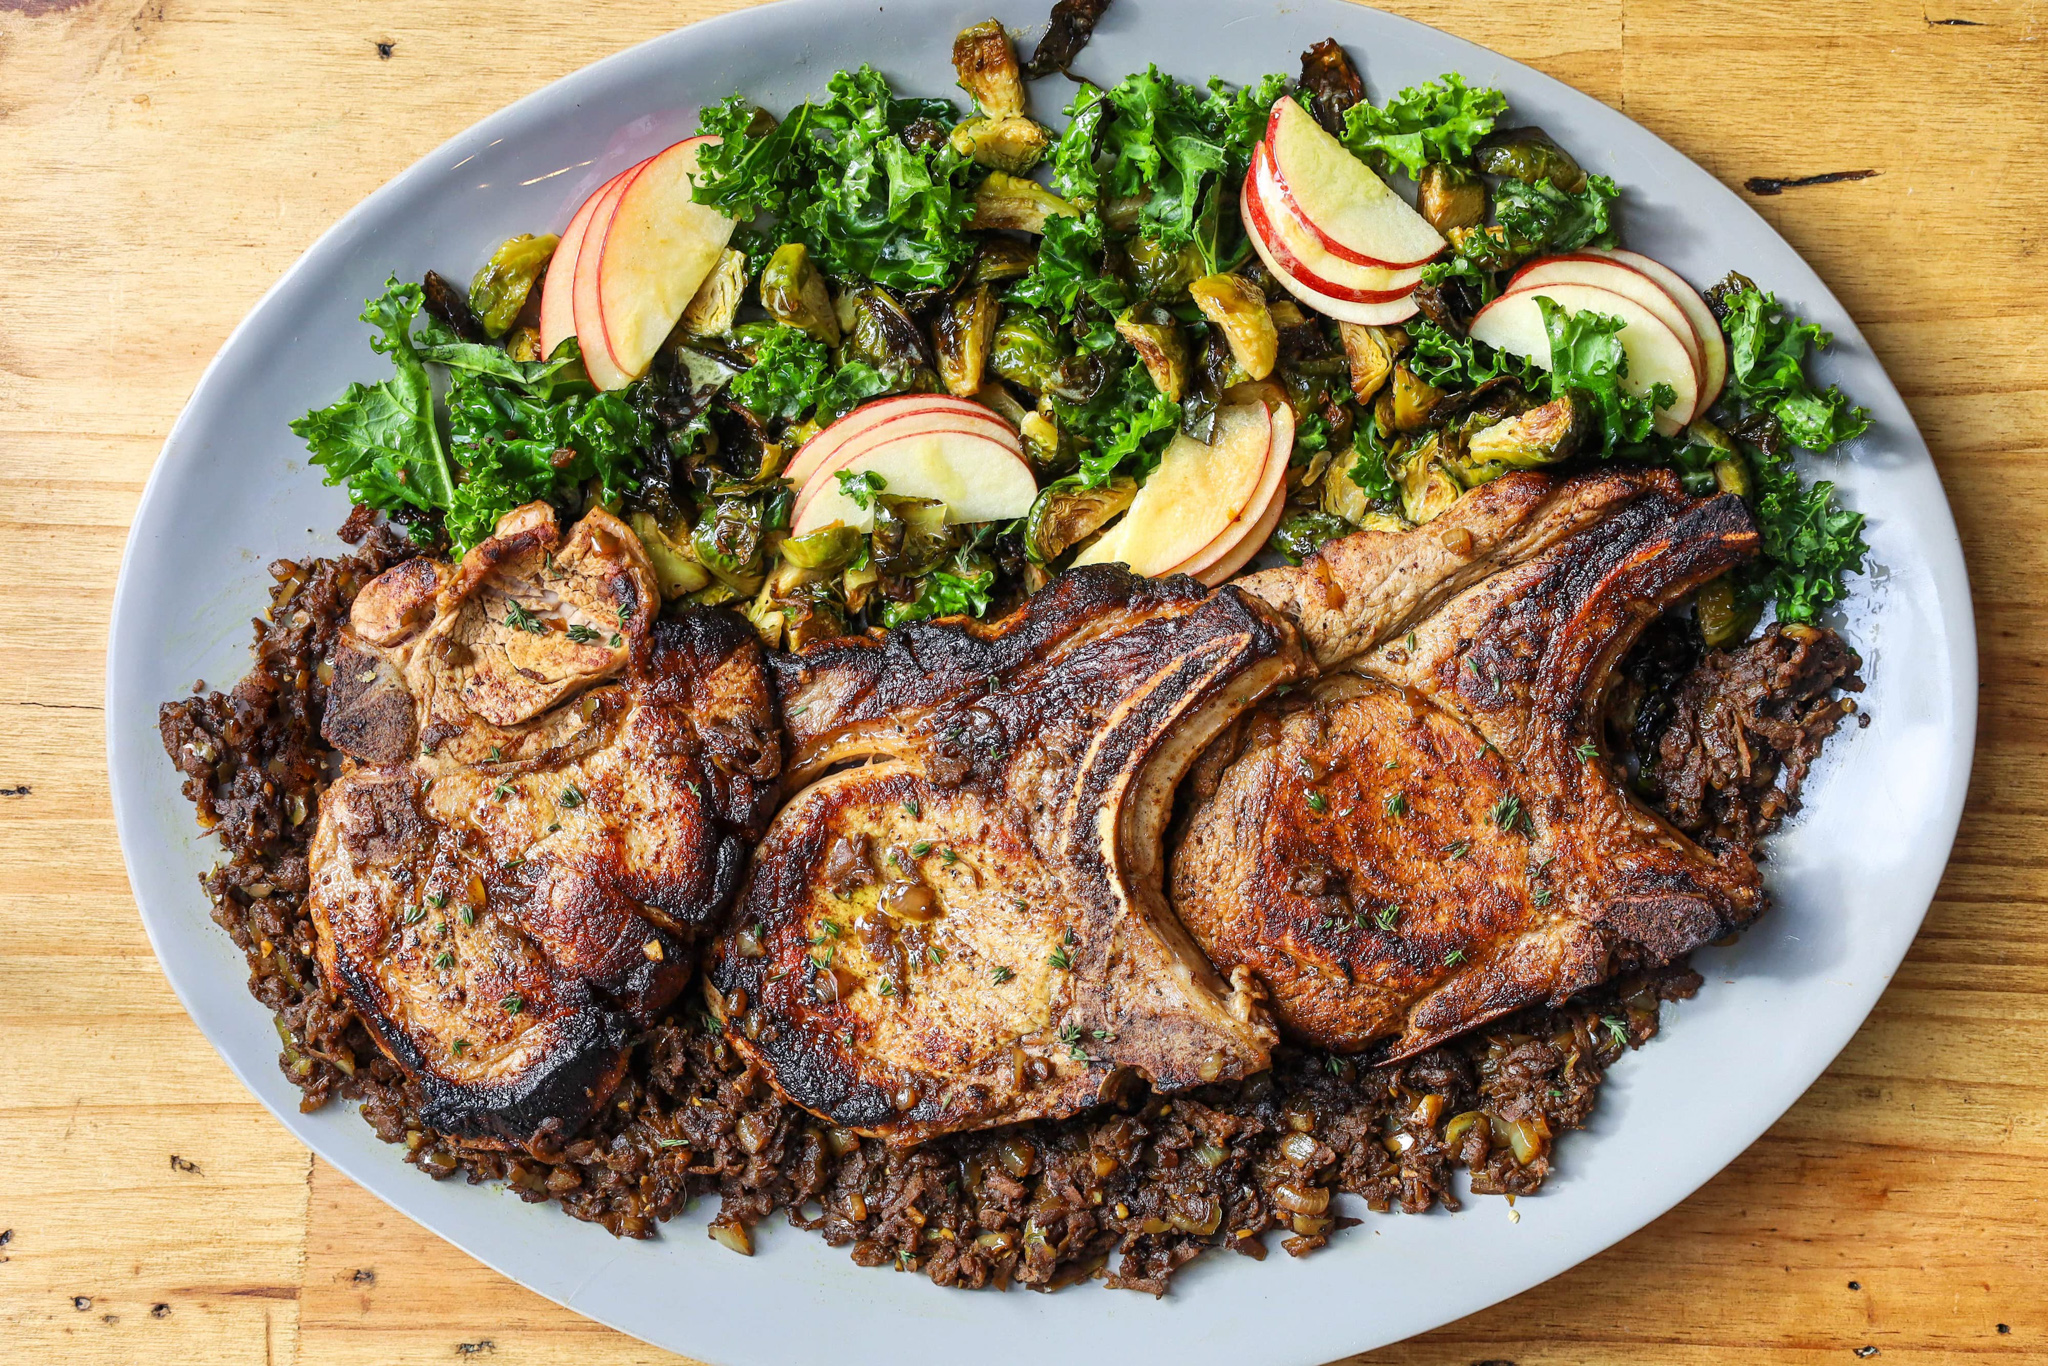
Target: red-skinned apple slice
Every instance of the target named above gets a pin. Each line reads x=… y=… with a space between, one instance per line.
x=1196 y=493
x=657 y=246
x=821 y=447
x=1371 y=315
x=898 y=429
x=978 y=478
x=1253 y=541
x=1514 y=323
x=1705 y=326
x=1272 y=484
x=597 y=356
x=1626 y=281
x=557 y=291
x=1305 y=258
x=1355 y=214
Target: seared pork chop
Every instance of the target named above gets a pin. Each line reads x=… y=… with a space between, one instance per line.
x=1431 y=837
x=548 y=798
x=968 y=929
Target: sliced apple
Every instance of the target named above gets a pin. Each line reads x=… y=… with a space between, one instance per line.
x=657 y=247
x=1356 y=214
x=1253 y=541
x=1272 y=483
x=1370 y=315
x=557 y=291
x=821 y=447
x=1197 y=491
x=1514 y=323
x=978 y=478
x=1305 y=257
x=1627 y=281
x=604 y=372
x=1705 y=326
x=900 y=429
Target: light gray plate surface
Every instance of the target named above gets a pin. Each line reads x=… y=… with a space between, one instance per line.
x=1852 y=878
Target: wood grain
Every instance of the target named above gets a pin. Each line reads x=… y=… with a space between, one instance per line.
x=164 y=161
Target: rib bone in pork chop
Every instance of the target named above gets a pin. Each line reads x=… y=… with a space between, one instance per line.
x=969 y=929
x=1431 y=836
x=548 y=797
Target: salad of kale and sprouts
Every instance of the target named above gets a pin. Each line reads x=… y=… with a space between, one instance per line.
x=1095 y=289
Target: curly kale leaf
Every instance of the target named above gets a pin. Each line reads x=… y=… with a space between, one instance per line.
x=793 y=377
x=1767 y=353
x=1451 y=362
x=1810 y=545
x=1126 y=424
x=1440 y=120
x=1068 y=270
x=1586 y=355
x=1372 y=468
x=515 y=447
x=944 y=594
x=380 y=439
x=1541 y=217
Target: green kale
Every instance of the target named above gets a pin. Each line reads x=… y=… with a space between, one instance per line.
x=515 y=447
x=1068 y=270
x=1767 y=351
x=1586 y=355
x=793 y=377
x=1372 y=468
x=944 y=594
x=1451 y=362
x=1172 y=145
x=1541 y=217
x=380 y=439
x=1304 y=531
x=861 y=487
x=1442 y=120
x=1127 y=423
x=1810 y=545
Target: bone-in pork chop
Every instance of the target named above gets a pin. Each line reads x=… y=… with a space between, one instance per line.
x=968 y=929
x=548 y=798
x=1431 y=837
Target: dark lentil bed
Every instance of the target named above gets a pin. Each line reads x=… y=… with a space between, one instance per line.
x=1127 y=1193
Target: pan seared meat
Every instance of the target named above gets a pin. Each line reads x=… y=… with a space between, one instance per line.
x=1431 y=837
x=548 y=798
x=968 y=929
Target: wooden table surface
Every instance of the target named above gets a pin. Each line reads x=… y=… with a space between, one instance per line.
x=161 y=161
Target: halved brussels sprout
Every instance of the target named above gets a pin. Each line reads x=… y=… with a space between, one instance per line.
x=1159 y=272
x=1155 y=335
x=1529 y=155
x=1237 y=308
x=911 y=537
x=986 y=62
x=793 y=291
x=1013 y=143
x=1450 y=197
x=1541 y=436
x=1066 y=514
x=1427 y=489
x=858 y=583
x=995 y=397
x=1731 y=471
x=1725 y=617
x=502 y=286
x=1379 y=520
x=826 y=550
x=1371 y=351
x=1414 y=399
x=884 y=334
x=1017 y=205
x=711 y=309
x=1026 y=350
x=727 y=542
x=1341 y=495
x=523 y=344
x=675 y=567
x=1045 y=445
x=1002 y=258
x=963 y=332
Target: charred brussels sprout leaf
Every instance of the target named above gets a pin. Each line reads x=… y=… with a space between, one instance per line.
x=1415 y=399
x=1001 y=259
x=1302 y=533
x=1155 y=335
x=1440 y=120
x=884 y=336
x=794 y=293
x=911 y=537
x=832 y=548
x=727 y=541
x=502 y=286
x=963 y=332
x=1529 y=155
x=1073 y=23
x=986 y=64
x=1331 y=83
x=1068 y=512
x=1161 y=272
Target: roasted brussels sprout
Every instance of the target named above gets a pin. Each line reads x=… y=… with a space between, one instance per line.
x=1067 y=514
x=500 y=289
x=1427 y=489
x=1341 y=495
x=986 y=63
x=1450 y=197
x=523 y=344
x=1541 y=436
x=1237 y=308
x=1717 y=450
x=1162 y=272
x=1331 y=83
x=1026 y=350
x=1049 y=449
x=1414 y=399
x=727 y=542
x=999 y=259
x=1017 y=205
x=1303 y=531
x=910 y=538
x=675 y=568
x=857 y=584
x=1725 y=616
x=823 y=550
x=711 y=309
x=1371 y=351
x=1013 y=143
x=883 y=334
x=793 y=291
x=1529 y=155
x=1002 y=402
x=963 y=332
x=1155 y=335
